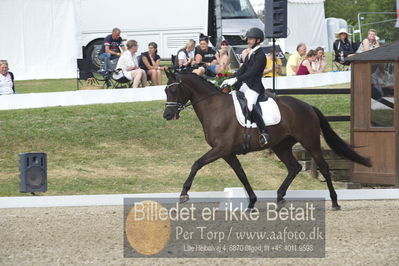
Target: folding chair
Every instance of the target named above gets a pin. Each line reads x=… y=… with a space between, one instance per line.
x=337 y=66
x=355 y=46
x=88 y=75
x=119 y=81
x=173 y=59
x=149 y=81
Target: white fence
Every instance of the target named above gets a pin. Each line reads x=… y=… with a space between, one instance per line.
x=83 y=97
x=227 y=195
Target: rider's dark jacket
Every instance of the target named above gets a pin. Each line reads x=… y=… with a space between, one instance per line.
x=251 y=71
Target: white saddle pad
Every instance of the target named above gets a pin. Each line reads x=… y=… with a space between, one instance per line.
x=270 y=112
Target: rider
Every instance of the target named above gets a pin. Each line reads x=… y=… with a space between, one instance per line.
x=249 y=78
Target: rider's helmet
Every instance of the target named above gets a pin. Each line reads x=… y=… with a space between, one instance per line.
x=255 y=33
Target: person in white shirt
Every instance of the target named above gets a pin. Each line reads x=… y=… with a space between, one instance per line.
x=6 y=79
x=185 y=56
x=370 y=43
x=320 y=64
x=130 y=67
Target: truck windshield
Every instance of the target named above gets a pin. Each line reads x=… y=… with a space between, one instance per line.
x=237 y=9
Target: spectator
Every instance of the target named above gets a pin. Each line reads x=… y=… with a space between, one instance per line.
x=268 y=72
x=370 y=43
x=244 y=54
x=382 y=82
x=185 y=56
x=130 y=66
x=205 y=58
x=342 y=46
x=6 y=79
x=295 y=59
x=320 y=64
x=305 y=67
x=222 y=57
x=149 y=61
x=111 y=49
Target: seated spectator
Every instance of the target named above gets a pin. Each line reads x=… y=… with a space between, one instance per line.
x=305 y=68
x=295 y=59
x=382 y=82
x=130 y=66
x=320 y=64
x=149 y=61
x=185 y=56
x=370 y=43
x=205 y=58
x=244 y=55
x=6 y=79
x=222 y=57
x=342 y=46
x=110 y=50
x=268 y=72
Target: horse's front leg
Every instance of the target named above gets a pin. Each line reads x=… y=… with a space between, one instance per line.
x=212 y=155
x=234 y=163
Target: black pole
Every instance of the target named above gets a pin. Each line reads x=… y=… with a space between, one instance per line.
x=274 y=62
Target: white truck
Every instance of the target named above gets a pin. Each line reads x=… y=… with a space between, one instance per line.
x=169 y=23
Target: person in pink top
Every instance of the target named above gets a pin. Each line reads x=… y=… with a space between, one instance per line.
x=305 y=67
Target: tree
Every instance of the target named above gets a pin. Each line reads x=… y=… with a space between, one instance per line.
x=349 y=9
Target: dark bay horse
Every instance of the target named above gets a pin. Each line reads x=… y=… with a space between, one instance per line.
x=300 y=122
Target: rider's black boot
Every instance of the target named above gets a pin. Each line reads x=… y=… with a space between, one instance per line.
x=264 y=137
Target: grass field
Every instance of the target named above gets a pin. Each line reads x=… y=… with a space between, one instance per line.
x=129 y=148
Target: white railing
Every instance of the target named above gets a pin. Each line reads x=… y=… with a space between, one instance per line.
x=225 y=196
x=84 y=97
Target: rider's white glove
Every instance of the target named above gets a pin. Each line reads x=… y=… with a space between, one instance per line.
x=229 y=82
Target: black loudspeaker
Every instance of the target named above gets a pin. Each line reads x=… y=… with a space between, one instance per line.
x=276 y=18
x=33 y=172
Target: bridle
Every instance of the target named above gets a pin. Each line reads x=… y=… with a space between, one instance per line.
x=182 y=106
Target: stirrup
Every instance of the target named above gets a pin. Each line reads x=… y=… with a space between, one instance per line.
x=264 y=139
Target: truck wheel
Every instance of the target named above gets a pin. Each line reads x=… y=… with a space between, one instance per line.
x=92 y=51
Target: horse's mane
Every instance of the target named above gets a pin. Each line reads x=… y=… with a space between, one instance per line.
x=202 y=79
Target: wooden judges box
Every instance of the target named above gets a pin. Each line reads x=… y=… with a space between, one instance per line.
x=375 y=114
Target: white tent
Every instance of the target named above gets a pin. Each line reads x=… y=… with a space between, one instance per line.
x=39 y=36
x=306 y=23
x=40 y=46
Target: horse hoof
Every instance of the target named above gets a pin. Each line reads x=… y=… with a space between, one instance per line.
x=184 y=198
x=251 y=205
x=281 y=202
x=336 y=208
x=250 y=210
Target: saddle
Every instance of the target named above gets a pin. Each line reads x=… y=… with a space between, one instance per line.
x=270 y=111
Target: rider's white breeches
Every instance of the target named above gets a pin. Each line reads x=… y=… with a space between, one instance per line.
x=251 y=95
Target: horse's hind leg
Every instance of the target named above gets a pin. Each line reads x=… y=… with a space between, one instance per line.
x=284 y=152
x=315 y=151
x=210 y=156
x=236 y=165
x=325 y=171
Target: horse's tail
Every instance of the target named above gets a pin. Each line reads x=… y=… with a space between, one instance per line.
x=338 y=145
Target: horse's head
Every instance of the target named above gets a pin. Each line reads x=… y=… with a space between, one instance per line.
x=176 y=97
